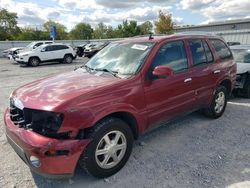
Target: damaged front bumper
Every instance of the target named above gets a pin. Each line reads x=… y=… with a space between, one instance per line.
x=240 y=81
x=33 y=149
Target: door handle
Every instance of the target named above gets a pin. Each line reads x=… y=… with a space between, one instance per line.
x=188 y=80
x=217 y=72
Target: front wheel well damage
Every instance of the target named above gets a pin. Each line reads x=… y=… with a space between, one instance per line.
x=124 y=116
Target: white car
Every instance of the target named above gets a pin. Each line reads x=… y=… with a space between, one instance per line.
x=47 y=53
x=10 y=53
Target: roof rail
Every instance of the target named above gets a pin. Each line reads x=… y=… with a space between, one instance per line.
x=197 y=33
x=152 y=34
x=180 y=33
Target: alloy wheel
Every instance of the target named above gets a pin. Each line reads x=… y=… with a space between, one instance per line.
x=111 y=149
x=220 y=102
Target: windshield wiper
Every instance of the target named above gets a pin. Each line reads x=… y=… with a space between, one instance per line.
x=114 y=73
x=87 y=68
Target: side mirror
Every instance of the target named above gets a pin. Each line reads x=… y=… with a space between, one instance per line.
x=163 y=71
x=43 y=50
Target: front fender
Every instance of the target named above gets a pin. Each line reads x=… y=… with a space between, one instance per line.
x=76 y=119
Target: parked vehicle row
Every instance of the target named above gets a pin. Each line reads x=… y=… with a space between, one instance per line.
x=92 y=115
x=46 y=51
x=90 y=49
x=12 y=52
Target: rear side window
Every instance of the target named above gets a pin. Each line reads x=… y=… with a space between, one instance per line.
x=172 y=54
x=208 y=52
x=198 y=51
x=63 y=47
x=221 y=49
x=59 y=47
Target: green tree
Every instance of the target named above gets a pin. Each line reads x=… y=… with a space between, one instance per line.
x=32 y=34
x=60 y=29
x=8 y=25
x=128 y=29
x=164 y=24
x=110 y=33
x=146 y=28
x=100 y=31
x=81 y=31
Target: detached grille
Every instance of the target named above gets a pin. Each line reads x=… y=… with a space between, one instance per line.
x=19 y=117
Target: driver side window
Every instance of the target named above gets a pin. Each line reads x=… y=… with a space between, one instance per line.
x=172 y=54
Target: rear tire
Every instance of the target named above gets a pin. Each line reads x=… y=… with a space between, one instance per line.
x=68 y=59
x=219 y=103
x=34 y=61
x=109 y=150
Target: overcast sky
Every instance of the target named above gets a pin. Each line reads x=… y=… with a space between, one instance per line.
x=112 y=12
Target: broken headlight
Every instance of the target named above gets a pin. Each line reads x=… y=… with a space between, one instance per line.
x=45 y=123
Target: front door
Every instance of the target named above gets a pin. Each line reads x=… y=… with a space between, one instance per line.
x=168 y=97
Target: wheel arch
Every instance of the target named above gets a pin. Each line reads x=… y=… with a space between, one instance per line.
x=128 y=118
x=69 y=54
x=34 y=57
x=227 y=84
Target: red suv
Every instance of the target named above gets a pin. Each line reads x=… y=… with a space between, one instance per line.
x=92 y=115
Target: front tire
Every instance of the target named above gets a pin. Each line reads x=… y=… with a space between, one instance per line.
x=219 y=103
x=110 y=148
x=34 y=61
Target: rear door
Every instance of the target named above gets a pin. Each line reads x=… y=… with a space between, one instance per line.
x=60 y=51
x=224 y=65
x=202 y=70
x=168 y=97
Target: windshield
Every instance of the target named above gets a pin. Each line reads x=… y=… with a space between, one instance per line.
x=30 y=45
x=241 y=56
x=122 y=58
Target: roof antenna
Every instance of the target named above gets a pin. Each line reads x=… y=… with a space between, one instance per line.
x=151 y=36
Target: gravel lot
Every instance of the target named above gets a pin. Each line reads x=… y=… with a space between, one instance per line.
x=192 y=152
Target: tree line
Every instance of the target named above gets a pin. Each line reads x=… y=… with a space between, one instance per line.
x=9 y=29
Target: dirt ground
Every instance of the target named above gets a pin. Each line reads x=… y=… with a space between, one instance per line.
x=192 y=152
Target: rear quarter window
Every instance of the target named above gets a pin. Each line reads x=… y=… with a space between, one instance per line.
x=221 y=49
x=62 y=47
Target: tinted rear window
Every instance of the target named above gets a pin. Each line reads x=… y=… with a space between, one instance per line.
x=198 y=51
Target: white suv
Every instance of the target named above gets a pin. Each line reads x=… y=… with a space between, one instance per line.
x=47 y=53
x=12 y=52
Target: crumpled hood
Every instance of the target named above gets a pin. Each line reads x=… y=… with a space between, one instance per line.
x=243 y=67
x=48 y=93
x=12 y=49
